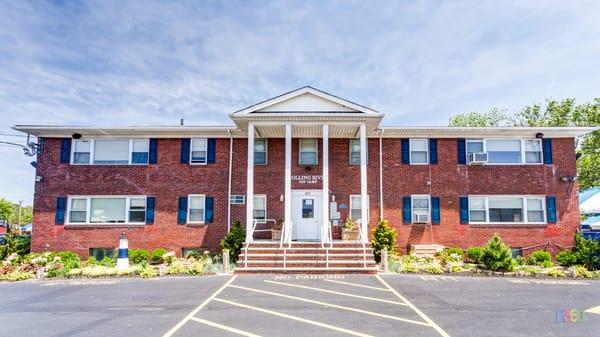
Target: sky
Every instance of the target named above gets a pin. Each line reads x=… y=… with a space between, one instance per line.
x=147 y=63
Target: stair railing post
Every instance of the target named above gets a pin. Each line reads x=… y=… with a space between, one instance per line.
x=226 y=261
x=384 y=260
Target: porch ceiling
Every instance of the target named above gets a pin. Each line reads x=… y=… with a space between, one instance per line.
x=307 y=131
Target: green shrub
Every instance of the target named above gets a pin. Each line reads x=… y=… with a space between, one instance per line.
x=409 y=268
x=433 y=269
x=538 y=257
x=15 y=243
x=157 y=255
x=98 y=271
x=450 y=255
x=587 y=252
x=148 y=271
x=384 y=236
x=456 y=268
x=547 y=264
x=566 y=258
x=137 y=256
x=497 y=256
x=520 y=261
x=108 y=262
x=555 y=272
x=16 y=276
x=582 y=272
x=91 y=261
x=474 y=254
x=60 y=263
x=234 y=240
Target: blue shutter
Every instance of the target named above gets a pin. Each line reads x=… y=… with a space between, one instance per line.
x=435 y=210
x=547 y=150
x=464 y=210
x=461 y=147
x=150 y=204
x=405 y=150
x=406 y=209
x=433 y=153
x=211 y=148
x=185 y=150
x=61 y=205
x=551 y=208
x=65 y=151
x=153 y=155
x=182 y=211
x=208 y=212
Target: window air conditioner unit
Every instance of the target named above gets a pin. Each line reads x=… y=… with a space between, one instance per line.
x=421 y=217
x=478 y=158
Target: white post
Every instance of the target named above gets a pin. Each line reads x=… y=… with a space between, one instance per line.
x=250 y=184
x=123 y=259
x=288 y=180
x=364 y=224
x=325 y=224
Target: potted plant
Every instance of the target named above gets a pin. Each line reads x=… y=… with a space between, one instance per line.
x=350 y=230
x=276 y=230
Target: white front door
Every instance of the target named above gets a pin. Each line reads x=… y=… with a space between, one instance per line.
x=307 y=216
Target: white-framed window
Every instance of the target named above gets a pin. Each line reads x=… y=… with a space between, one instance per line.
x=260 y=151
x=106 y=210
x=507 y=209
x=196 y=207
x=420 y=207
x=308 y=152
x=198 y=151
x=356 y=207
x=419 y=151
x=237 y=199
x=507 y=151
x=260 y=208
x=110 y=151
x=355 y=151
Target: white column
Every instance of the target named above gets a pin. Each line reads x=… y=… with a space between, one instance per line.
x=250 y=183
x=363 y=183
x=288 y=177
x=325 y=224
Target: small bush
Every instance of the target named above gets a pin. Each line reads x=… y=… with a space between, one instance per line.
x=497 y=256
x=587 y=252
x=582 y=272
x=98 y=271
x=547 y=264
x=409 y=268
x=16 y=276
x=433 y=268
x=91 y=261
x=384 y=236
x=566 y=258
x=234 y=240
x=450 y=255
x=555 y=272
x=157 y=255
x=148 y=271
x=108 y=262
x=538 y=257
x=474 y=254
x=520 y=261
x=176 y=267
x=137 y=256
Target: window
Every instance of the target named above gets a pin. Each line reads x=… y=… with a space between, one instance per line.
x=107 y=210
x=508 y=151
x=533 y=151
x=506 y=209
x=196 y=208
x=420 y=207
x=81 y=151
x=308 y=208
x=199 y=151
x=111 y=151
x=354 y=151
x=355 y=207
x=187 y=251
x=308 y=151
x=260 y=151
x=140 y=151
x=474 y=146
x=237 y=199
x=419 y=153
x=505 y=151
x=516 y=252
x=101 y=253
x=260 y=208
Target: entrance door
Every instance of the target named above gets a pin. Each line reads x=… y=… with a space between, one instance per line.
x=307 y=215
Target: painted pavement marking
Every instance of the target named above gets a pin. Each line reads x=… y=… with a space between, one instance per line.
x=357 y=285
x=336 y=292
x=299 y=319
x=594 y=310
x=419 y=312
x=224 y=327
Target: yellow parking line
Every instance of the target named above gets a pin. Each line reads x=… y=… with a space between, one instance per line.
x=198 y=308
x=332 y=305
x=224 y=327
x=336 y=292
x=299 y=319
x=419 y=312
x=356 y=285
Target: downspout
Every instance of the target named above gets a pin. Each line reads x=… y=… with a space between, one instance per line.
x=229 y=182
x=380 y=175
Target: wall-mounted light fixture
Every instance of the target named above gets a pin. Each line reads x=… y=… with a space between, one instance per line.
x=76 y=135
x=281 y=198
x=539 y=135
x=567 y=179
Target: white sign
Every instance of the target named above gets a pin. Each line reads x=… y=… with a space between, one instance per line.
x=307 y=179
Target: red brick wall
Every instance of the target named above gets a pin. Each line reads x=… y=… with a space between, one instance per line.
x=169 y=179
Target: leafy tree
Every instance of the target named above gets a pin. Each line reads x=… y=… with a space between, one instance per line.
x=587 y=252
x=479 y=119
x=6 y=209
x=384 y=236
x=497 y=256
x=26 y=214
x=234 y=240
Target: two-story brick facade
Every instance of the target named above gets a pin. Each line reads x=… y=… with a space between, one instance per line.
x=317 y=161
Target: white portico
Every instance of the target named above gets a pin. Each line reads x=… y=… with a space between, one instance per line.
x=307 y=113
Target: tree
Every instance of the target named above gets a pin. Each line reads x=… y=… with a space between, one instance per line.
x=384 y=236
x=479 y=119
x=497 y=256
x=26 y=214
x=6 y=209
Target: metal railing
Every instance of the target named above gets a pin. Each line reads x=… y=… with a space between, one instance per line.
x=362 y=241
x=286 y=234
x=251 y=237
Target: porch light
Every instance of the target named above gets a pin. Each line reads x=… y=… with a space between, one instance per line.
x=281 y=198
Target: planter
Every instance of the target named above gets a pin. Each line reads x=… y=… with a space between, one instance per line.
x=275 y=234
x=350 y=234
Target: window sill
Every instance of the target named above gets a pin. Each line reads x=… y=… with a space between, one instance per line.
x=508 y=225
x=195 y=224
x=106 y=225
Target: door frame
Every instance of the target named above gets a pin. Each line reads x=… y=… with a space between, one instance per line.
x=296 y=197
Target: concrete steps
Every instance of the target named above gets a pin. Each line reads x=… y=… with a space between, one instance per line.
x=426 y=250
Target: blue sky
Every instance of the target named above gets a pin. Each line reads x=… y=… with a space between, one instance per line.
x=123 y=63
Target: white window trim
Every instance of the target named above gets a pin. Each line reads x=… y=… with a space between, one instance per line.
x=410 y=141
x=88 y=210
x=192 y=150
x=237 y=203
x=266 y=152
x=412 y=205
x=300 y=152
x=350 y=206
x=523 y=159
x=264 y=196
x=350 y=152
x=189 y=203
x=523 y=203
x=93 y=145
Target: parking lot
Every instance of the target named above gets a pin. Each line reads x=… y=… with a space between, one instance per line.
x=300 y=305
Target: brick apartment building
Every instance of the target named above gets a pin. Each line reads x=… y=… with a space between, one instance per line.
x=317 y=160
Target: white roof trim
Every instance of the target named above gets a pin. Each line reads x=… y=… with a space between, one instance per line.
x=483 y=132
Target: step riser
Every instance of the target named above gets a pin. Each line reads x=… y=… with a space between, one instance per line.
x=302 y=258
x=307 y=265
x=308 y=251
x=316 y=271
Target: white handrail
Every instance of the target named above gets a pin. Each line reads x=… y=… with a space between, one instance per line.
x=286 y=233
x=362 y=240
